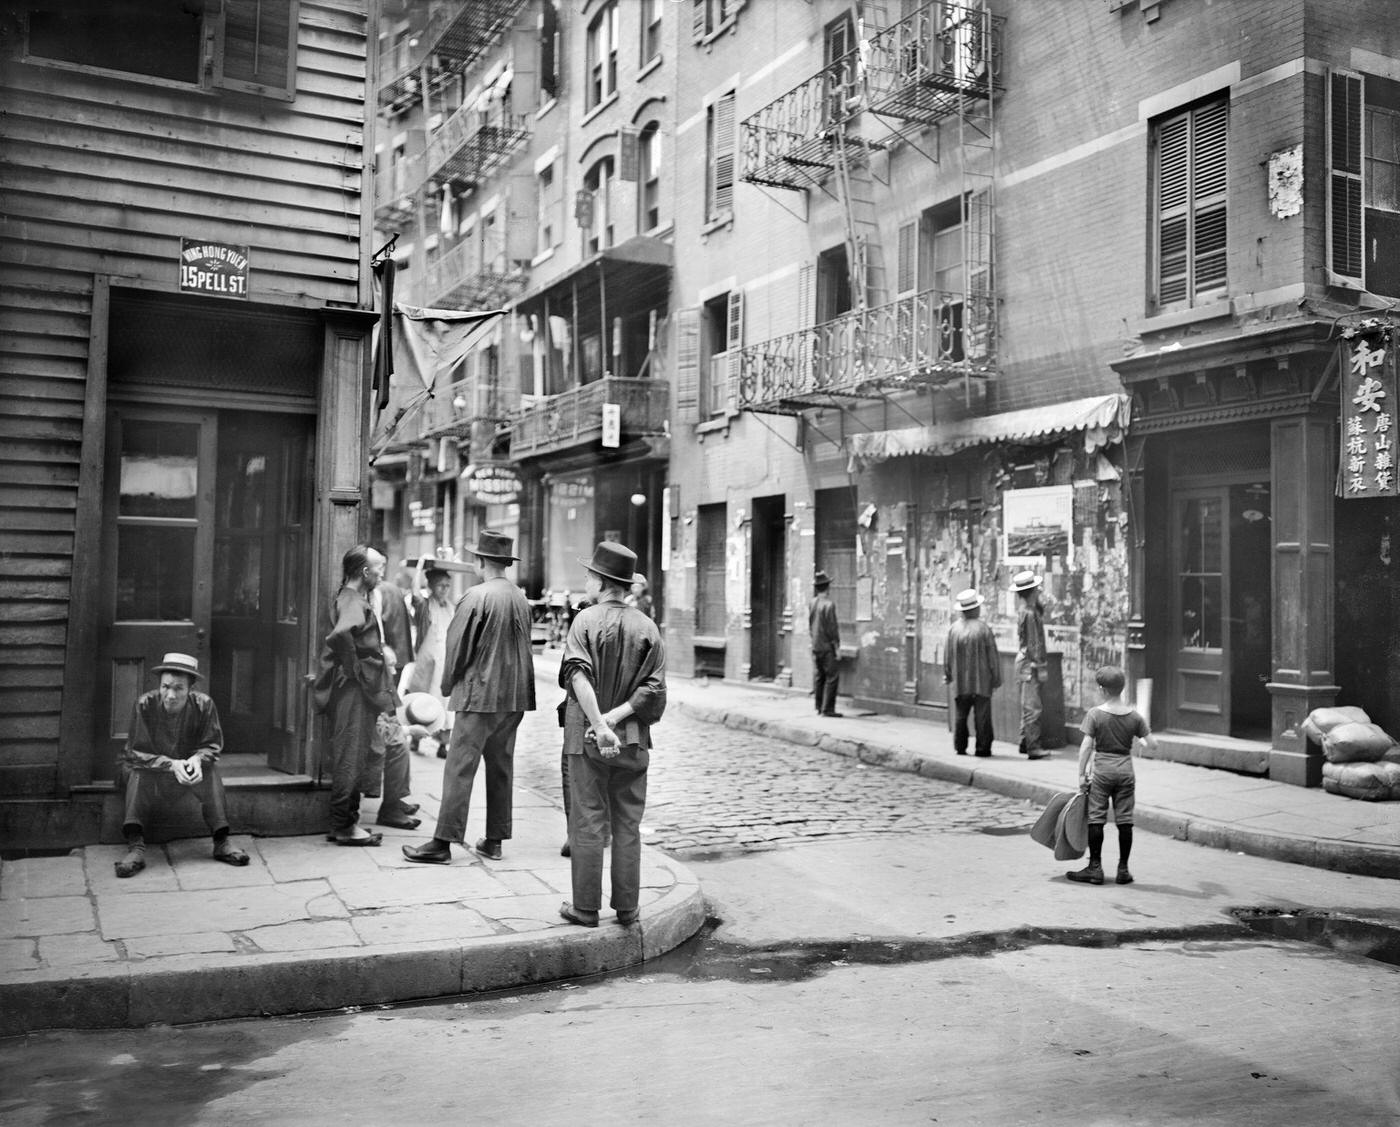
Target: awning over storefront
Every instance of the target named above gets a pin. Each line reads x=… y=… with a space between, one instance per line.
x=1102 y=418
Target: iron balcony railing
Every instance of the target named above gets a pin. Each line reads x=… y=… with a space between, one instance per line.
x=470 y=276
x=455 y=34
x=790 y=142
x=927 y=338
x=395 y=191
x=575 y=417
x=472 y=143
x=921 y=67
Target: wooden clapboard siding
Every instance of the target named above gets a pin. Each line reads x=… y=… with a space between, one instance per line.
x=102 y=176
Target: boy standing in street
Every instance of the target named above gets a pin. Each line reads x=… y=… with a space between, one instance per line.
x=1109 y=730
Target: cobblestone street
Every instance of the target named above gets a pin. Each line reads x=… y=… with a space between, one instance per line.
x=713 y=789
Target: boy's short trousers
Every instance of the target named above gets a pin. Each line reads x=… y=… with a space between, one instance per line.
x=1113 y=779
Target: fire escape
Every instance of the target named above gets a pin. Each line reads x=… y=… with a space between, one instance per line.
x=937 y=68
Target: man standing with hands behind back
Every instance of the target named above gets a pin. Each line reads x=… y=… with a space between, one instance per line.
x=826 y=644
x=489 y=675
x=970 y=666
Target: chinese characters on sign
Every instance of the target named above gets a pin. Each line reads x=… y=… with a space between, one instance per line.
x=1368 y=420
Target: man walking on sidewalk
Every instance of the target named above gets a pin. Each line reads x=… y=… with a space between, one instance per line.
x=172 y=749
x=826 y=644
x=1031 y=670
x=970 y=666
x=489 y=676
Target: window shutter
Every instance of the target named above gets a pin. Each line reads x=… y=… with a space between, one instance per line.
x=1173 y=180
x=548 y=25
x=734 y=345
x=722 y=156
x=907 y=268
x=257 y=48
x=1345 y=216
x=687 y=364
x=1209 y=151
x=699 y=19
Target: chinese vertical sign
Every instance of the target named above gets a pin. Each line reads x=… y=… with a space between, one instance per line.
x=1368 y=419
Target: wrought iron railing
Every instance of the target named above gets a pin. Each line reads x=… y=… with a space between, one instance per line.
x=576 y=416
x=395 y=187
x=919 y=68
x=924 y=338
x=471 y=143
x=472 y=275
x=789 y=139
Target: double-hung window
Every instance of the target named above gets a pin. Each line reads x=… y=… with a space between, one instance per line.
x=1363 y=182
x=602 y=56
x=1189 y=181
x=651 y=29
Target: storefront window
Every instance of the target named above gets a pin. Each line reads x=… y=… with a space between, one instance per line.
x=571 y=524
x=1201 y=578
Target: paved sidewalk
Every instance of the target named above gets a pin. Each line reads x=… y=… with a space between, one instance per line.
x=1216 y=808
x=308 y=925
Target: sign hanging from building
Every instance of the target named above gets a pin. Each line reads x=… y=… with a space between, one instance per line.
x=219 y=269
x=1368 y=418
x=491 y=484
x=612 y=425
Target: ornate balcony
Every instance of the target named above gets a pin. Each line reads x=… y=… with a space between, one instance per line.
x=456 y=34
x=922 y=68
x=473 y=143
x=395 y=194
x=927 y=339
x=792 y=141
x=470 y=277
x=574 y=418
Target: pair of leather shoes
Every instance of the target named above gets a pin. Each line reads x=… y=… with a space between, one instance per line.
x=578 y=915
x=398 y=821
x=489 y=848
x=428 y=853
x=368 y=840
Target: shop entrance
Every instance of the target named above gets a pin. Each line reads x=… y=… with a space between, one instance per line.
x=1220 y=616
x=207 y=537
x=767 y=583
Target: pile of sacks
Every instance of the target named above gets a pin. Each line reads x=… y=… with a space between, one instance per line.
x=1362 y=760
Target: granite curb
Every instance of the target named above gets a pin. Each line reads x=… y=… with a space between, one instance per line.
x=194 y=989
x=1298 y=848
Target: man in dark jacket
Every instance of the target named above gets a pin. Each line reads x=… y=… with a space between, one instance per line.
x=1031 y=667
x=826 y=644
x=971 y=666
x=489 y=677
x=614 y=670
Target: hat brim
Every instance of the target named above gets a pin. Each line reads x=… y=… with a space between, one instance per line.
x=493 y=556
x=625 y=580
x=185 y=669
x=971 y=606
x=1028 y=586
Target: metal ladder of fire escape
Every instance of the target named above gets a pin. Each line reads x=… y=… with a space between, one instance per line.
x=864 y=254
x=977 y=145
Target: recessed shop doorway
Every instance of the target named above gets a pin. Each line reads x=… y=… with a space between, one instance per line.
x=767 y=582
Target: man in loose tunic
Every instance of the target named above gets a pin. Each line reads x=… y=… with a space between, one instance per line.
x=970 y=666
x=1031 y=668
x=489 y=678
x=826 y=644
x=614 y=670
x=172 y=749
x=354 y=689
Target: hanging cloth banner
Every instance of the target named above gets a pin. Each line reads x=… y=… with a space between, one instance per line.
x=428 y=342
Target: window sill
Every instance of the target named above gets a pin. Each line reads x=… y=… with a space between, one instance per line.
x=661 y=231
x=599 y=108
x=715 y=423
x=648 y=67
x=724 y=220
x=543 y=256
x=544 y=109
x=1174 y=320
x=709 y=641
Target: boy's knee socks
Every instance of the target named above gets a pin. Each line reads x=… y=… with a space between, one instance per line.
x=1125 y=843
x=1095 y=844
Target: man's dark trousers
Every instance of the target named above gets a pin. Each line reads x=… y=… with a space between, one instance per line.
x=477 y=736
x=825 y=678
x=981 y=709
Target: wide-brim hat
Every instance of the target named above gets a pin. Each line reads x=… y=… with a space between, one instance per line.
x=821 y=579
x=1025 y=581
x=494 y=546
x=612 y=561
x=969 y=599
x=179 y=663
x=422 y=709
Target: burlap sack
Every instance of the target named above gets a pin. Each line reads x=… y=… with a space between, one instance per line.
x=1320 y=721
x=1044 y=829
x=1072 y=829
x=1356 y=743
x=1371 y=782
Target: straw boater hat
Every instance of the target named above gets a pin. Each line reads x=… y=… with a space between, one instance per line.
x=612 y=561
x=422 y=709
x=179 y=663
x=1025 y=581
x=494 y=546
x=969 y=600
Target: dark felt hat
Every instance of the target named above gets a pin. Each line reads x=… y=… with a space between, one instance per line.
x=612 y=561
x=494 y=546
x=821 y=579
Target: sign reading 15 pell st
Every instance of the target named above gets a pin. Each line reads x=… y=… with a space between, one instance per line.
x=220 y=269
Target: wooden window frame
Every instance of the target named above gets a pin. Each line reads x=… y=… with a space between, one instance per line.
x=721 y=156
x=1198 y=207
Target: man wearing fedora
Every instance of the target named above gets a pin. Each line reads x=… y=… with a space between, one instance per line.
x=1031 y=668
x=970 y=666
x=826 y=644
x=489 y=678
x=614 y=671
x=172 y=749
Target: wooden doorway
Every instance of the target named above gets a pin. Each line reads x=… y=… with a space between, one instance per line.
x=767 y=584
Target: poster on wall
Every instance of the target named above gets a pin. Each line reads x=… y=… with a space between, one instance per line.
x=1036 y=526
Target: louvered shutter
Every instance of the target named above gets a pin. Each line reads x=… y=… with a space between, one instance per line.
x=721 y=170
x=257 y=47
x=734 y=345
x=907 y=266
x=699 y=19
x=1345 y=215
x=1209 y=152
x=687 y=364
x=1173 y=202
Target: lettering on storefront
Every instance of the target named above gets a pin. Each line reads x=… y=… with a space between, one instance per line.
x=492 y=485
x=1368 y=419
x=219 y=269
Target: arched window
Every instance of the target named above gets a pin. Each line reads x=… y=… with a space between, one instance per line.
x=649 y=178
x=598 y=183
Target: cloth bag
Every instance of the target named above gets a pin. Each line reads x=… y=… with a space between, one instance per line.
x=1072 y=829
x=1044 y=829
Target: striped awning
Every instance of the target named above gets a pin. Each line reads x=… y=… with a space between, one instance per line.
x=1102 y=418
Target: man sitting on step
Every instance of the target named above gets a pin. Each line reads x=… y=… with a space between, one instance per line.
x=172 y=749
